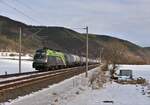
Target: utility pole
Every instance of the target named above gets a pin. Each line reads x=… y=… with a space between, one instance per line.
x=1 y=27
x=20 y=34
x=87 y=47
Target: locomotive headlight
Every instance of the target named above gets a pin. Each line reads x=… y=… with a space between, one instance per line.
x=45 y=60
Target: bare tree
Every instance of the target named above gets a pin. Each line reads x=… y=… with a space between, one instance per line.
x=114 y=55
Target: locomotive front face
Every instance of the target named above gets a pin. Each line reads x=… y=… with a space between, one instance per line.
x=40 y=59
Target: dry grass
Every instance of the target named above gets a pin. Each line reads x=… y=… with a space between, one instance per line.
x=98 y=78
x=141 y=81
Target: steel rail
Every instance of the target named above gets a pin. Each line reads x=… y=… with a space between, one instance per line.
x=26 y=73
x=37 y=74
x=37 y=78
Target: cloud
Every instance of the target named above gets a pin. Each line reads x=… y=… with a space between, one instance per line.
x=127 y=19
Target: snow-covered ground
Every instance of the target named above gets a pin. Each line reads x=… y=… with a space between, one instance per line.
x=12 y=66
x=116 y=94
x=76 y=91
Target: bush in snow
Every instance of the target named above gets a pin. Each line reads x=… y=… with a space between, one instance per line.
x=97 y=79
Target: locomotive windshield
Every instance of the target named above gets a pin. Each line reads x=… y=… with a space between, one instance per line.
x=40 y=54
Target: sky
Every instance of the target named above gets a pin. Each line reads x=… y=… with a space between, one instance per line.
x=125 y=19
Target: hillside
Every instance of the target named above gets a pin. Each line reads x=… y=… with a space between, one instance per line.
x=66 y=40
x=146 y=48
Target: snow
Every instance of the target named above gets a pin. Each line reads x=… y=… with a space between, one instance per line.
x=76 y=91
x=118 y=94
x=138 y=70
x=12 y=66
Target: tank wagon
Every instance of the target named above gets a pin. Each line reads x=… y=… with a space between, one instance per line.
x=47 y=59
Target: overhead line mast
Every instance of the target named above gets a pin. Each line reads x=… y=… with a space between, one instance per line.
x=20 y=49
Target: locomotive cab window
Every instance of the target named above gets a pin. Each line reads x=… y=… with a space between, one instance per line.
x=39 y=56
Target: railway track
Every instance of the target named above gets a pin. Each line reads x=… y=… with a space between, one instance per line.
x=17 y=74
x=12 y=88
x=31 y=77
x=26 y=75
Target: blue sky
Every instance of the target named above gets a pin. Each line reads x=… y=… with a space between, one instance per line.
x=126 y=19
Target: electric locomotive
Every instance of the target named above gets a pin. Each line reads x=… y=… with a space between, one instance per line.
x=45 y=59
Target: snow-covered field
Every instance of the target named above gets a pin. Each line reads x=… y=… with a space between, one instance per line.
x=75 y=91
x=12 y=66
x=138 y=70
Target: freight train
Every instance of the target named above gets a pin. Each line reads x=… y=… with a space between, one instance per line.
x=47 y=59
